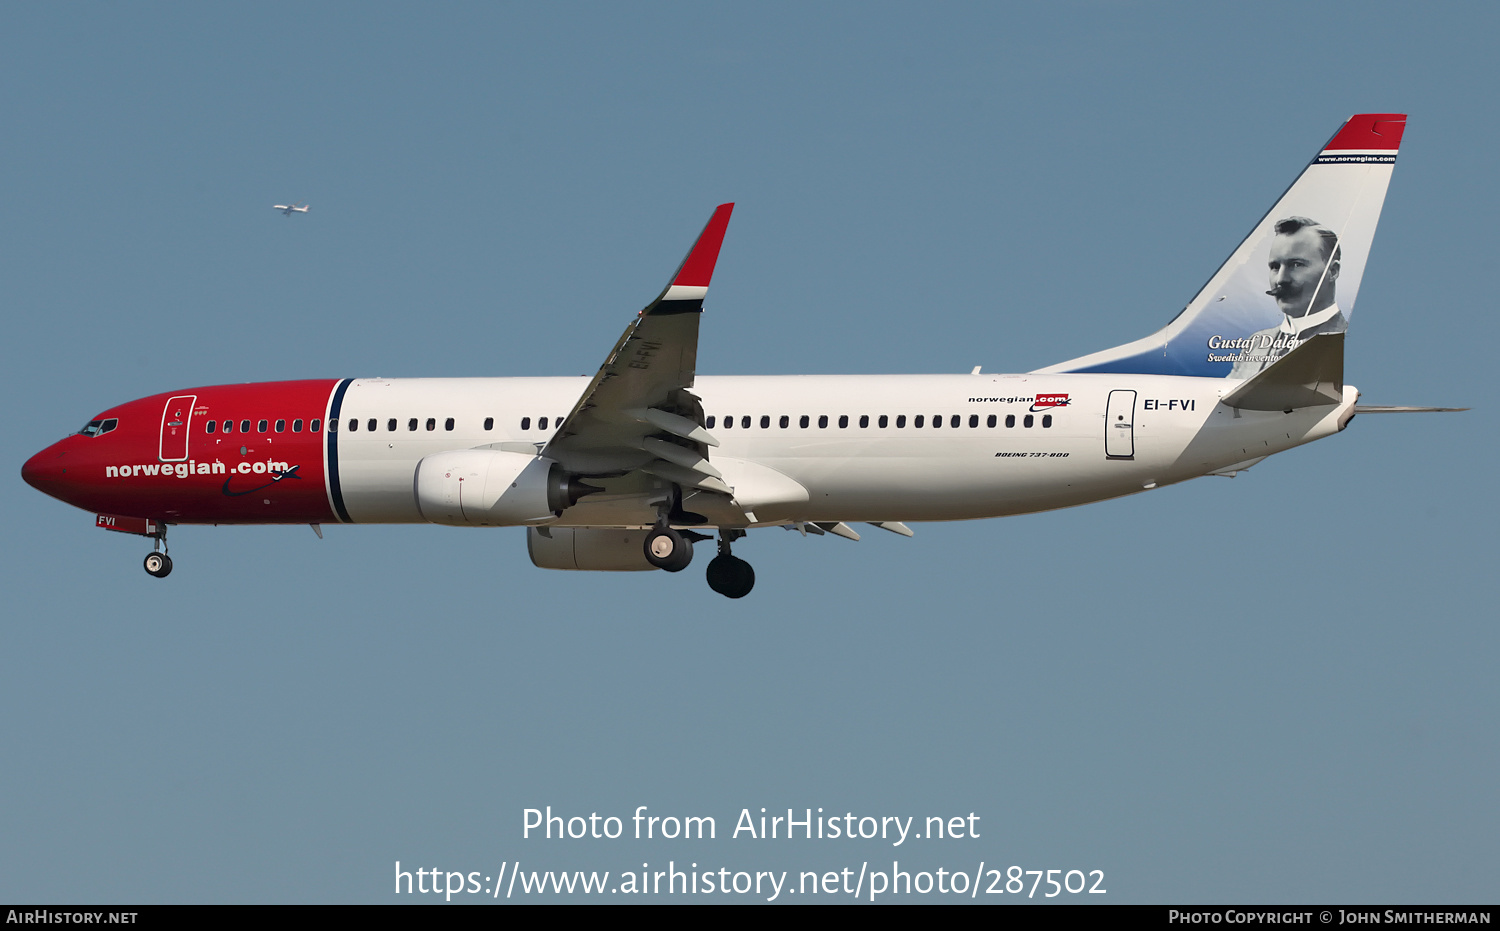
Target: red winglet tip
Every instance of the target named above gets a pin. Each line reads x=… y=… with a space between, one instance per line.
x=698 y=268
x=1370 y=131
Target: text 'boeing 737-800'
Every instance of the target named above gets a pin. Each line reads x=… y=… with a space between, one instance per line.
x=627 y=470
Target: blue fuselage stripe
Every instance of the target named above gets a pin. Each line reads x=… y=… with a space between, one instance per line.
x=332 y=432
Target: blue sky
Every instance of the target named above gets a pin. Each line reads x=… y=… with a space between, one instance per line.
x=1278 y=688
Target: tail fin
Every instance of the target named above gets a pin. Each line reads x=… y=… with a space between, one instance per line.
x=1309 y=250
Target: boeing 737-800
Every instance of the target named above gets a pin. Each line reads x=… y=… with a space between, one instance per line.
x=628 y=469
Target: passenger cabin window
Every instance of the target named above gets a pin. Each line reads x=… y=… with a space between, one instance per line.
x=353 y=425
x=710 y=423
x=1010 y=420
x=765 y=421
x=228 y=426
x=745 y=422
x=297 y=425
x=260 y=427
x=210 y=426
x=489 y=423
x=785 y=421
x=448 y=424
x=244 y=426
x=318 y=422
x=333 y=426
x=900 y=421
x=370 y=424
x=917 y=421
x=281 y=426
x=864 y=421
x=390 y=425
x=843 y=421
x=802 y=421
x=822 y=421
x=541 y=423
x=1028 y=421
x=1046 y=420
x=412 y=424
x=991 y=421
x=884 y=421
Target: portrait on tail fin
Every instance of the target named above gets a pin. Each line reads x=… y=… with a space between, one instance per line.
x=1304 y=267
x=1315 y=241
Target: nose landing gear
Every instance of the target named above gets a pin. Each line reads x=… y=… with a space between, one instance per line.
x=729 y=575
x=157 y=562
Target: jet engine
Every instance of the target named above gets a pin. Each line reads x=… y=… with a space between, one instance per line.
x=491 y=487
x=589 y=548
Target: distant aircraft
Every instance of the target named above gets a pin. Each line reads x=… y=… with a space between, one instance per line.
x=289 y=209
x=628 y=469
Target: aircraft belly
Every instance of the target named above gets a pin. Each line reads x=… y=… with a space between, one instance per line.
x=963 y=480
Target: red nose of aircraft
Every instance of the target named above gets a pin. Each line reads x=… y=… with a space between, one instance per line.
x=47 y=471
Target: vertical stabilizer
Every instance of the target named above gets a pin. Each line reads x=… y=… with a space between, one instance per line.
x=1294 y=277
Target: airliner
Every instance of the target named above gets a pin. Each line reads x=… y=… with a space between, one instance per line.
x=289 y=209
x=631 y=468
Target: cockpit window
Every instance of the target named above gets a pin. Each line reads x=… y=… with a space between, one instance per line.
x=100 y=427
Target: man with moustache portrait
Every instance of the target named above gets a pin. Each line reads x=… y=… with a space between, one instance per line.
x=1304 y=265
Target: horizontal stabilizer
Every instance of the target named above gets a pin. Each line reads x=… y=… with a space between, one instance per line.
x=1309 y=376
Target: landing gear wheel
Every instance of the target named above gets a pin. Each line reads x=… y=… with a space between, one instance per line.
x=730 y=576
x=158 y=564
x=667 y=549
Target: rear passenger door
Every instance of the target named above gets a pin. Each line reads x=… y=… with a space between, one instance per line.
x=1119 y=425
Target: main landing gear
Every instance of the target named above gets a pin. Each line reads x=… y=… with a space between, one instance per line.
x=669 y=549
x=157 y=562
x=672 y=550
x=728 y=574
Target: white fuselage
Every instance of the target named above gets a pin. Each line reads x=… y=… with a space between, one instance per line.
x=1101 y=441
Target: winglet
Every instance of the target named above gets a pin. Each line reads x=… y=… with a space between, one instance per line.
x=689 y=285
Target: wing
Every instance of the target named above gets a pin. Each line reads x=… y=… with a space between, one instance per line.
x=639 y=413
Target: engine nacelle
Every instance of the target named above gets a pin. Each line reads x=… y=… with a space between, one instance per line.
x=588 y=548
x=491 y=487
